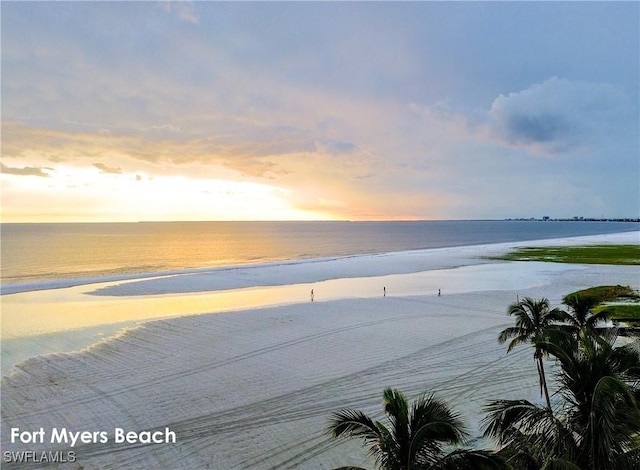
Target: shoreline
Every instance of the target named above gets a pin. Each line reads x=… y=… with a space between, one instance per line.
x=57 y=321
x=48 y=284
x=253 y=387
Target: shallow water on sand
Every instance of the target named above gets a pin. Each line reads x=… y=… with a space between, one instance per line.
x=36 y=323
x=44 y=312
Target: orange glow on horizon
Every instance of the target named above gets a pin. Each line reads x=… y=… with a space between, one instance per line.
x=84 y=195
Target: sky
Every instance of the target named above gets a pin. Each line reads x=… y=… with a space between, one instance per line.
x=130 y=111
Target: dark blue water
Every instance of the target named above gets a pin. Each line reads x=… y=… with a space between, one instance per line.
x=37 y=252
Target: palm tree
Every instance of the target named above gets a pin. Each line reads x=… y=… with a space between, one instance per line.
x=531 y=436
x=597 y=425
x=534 y=321
x=599 y=382
x=415 y=437
x=580 y=318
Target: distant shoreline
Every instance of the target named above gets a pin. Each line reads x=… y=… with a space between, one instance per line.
x=576 y=219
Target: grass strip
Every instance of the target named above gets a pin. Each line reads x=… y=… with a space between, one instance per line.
x=626 y=313
x=607 y=293
x=627 y=309
x=590 y=254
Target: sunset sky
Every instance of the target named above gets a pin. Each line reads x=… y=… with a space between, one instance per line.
x=126 y=111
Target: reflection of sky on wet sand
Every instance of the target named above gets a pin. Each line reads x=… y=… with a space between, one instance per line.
x=43 y=312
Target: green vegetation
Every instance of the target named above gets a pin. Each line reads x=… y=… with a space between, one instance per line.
x=595 y=422
x=590 y=422
x=621 y=312
x=415 y=437
x=533 y=319
x=628 y=312
x=592 y=254
x=607 y=293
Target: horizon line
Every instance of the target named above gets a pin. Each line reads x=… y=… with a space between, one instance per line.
x=507 y=219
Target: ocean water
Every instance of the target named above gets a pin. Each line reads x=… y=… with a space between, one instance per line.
x=32 y=253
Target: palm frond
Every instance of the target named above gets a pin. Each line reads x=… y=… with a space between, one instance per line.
x=629 y=460
x=521 y=459
x=466 y=459
x=506 y=416
x=353 y=423
x=528 y=428
x=437 y=419
x=416 y=436
x=613 y=422
x=433 y=424
x=396 y=407
x=509 y=333
x=560 y=464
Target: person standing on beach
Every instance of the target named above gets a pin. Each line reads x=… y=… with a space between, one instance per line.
x=438 y=292
x=311 y=295
x=384 y=291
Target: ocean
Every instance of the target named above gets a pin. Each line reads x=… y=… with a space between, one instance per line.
x=33 y=253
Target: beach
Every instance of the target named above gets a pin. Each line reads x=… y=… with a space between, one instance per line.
x=245 y=369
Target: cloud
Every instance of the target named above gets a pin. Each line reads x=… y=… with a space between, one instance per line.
x=335 y=147
x=558 y=115
x=247 y=148
x=25 y=171
x=184 y=10
x=356 y=110
x=106 y=169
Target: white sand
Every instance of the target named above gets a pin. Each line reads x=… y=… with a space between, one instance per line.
x=254 y=388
